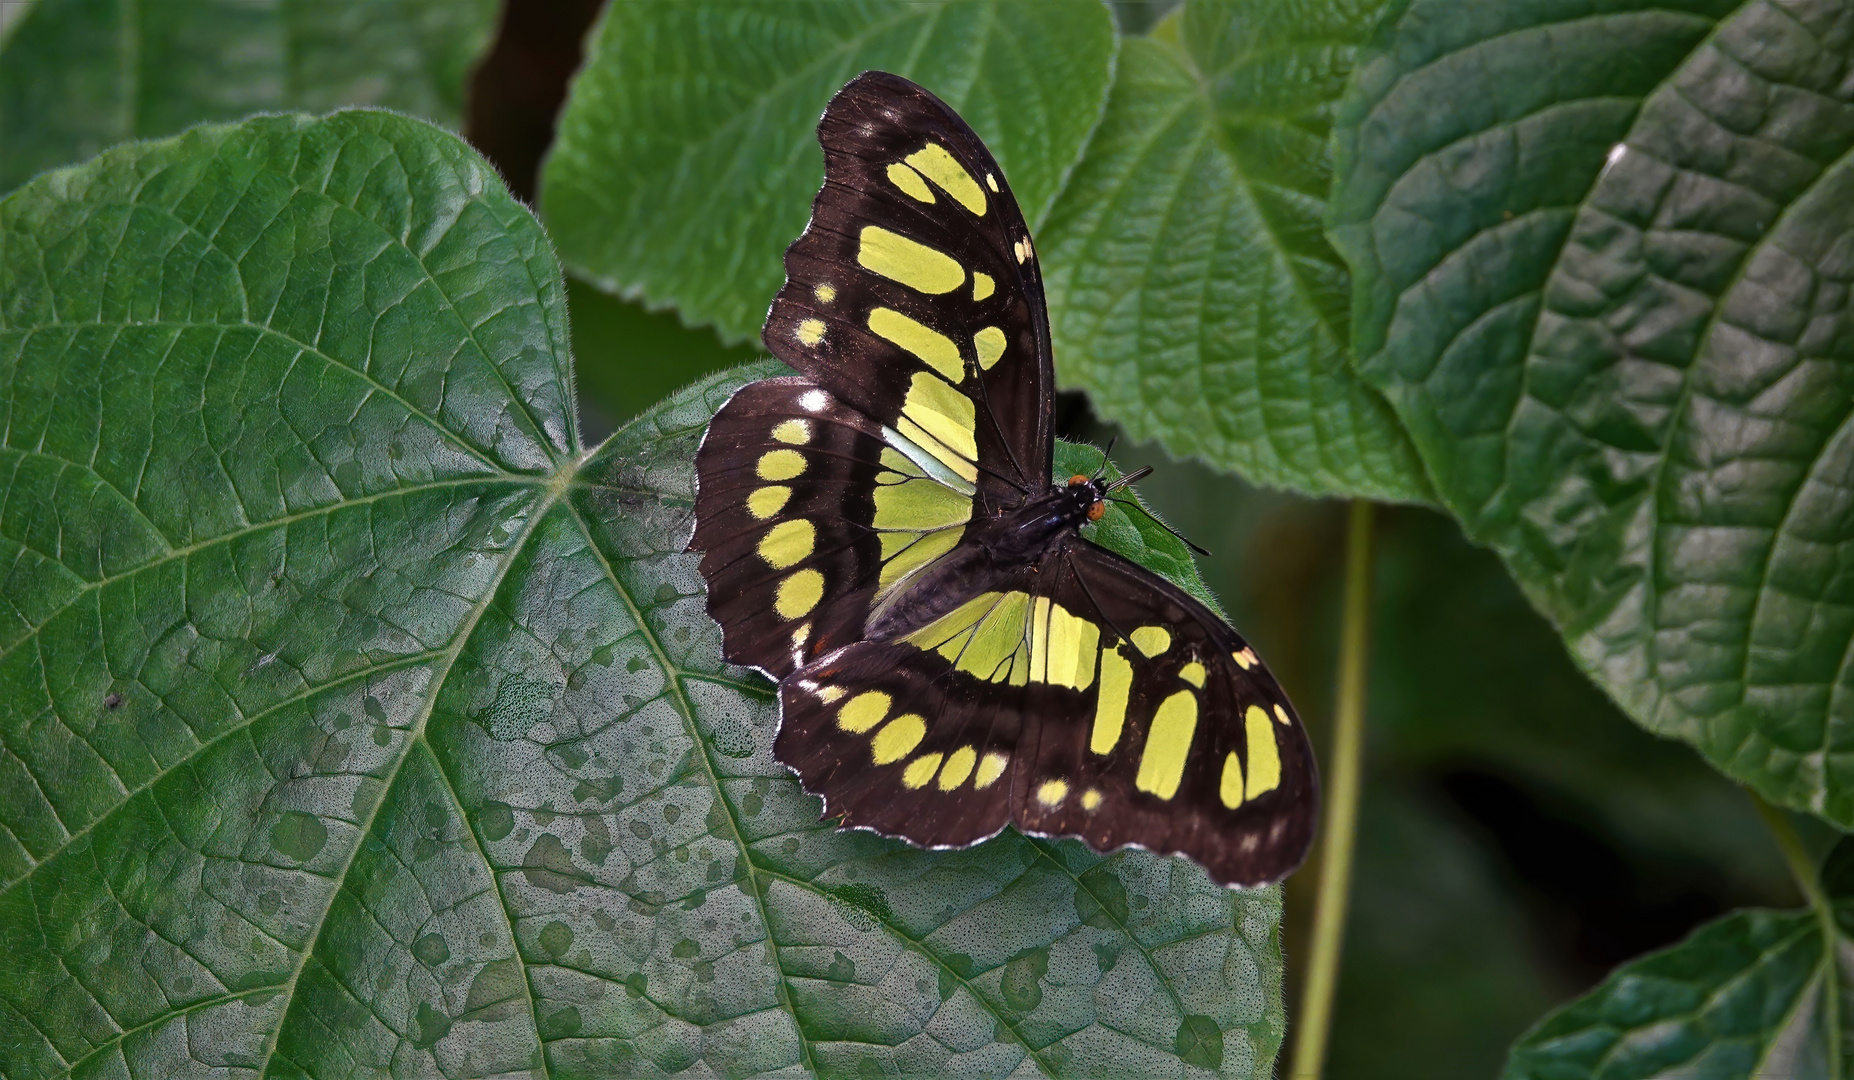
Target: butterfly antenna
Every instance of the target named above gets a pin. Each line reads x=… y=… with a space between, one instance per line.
x=1102 y=471
x=1182 y=538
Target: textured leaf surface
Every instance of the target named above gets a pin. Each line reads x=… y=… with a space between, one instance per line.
x=79 y=75
x=1757 y=994
x=1192 y=291
x=687 y=156
x=353 y=720
x=1605 y=284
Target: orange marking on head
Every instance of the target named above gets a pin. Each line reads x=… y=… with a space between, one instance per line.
x=1073 y=480
x=1096 y=510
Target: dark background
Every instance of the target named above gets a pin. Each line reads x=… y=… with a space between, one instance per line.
x=1518 y=837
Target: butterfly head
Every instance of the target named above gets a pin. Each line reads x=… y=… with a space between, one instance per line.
x=1090 y=496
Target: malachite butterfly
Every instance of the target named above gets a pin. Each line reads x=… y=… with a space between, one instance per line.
x=882 y=536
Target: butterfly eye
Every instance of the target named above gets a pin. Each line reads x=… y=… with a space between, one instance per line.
x=1074 y=480
x=1095 y=510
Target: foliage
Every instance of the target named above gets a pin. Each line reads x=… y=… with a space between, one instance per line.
x=1192 y=291
x=358 y=719
x=687 y=156
x=1609 y=301
x=79 y=75
x=353 y=715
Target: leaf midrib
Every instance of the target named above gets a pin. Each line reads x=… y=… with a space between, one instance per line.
x=240 y=728
x=920 y=944
x=1200 y=79
x=672 y=676
x=178 y=554
x=304 y=348
x=549 y=498
x=1043 y=849
x=535 y=431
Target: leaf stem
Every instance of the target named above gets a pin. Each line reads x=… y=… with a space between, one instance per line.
x=1809 y=879
x=1341 y=828
x=1789 y=842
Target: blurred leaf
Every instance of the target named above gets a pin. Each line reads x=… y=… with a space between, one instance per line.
x=1192 y=292
x=1467 y=676
x=1439 y=968
x=628 y=358
x=1626 y=362
x=1756 y=994
x=687 y=157
x=80 y=75
x=354 y=721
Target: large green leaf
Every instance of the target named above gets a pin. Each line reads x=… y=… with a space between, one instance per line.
x=79 y=75
x=1193 y=294
x=1475 y=915
x=1606 y=289
x=1757 y=994
x=353 y=719
x=687 y=156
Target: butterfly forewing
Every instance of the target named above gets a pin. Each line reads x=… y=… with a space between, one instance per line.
x=914 y=293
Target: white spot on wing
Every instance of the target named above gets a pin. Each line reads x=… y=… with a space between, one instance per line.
x=813 y=401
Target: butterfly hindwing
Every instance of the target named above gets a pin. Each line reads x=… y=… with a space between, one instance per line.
x=806 y=517
x=896 y=741
x=1190 y=741
x=914 y=294
x=1142 y=720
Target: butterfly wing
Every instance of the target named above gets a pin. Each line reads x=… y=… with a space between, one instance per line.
x=916 y=738
x=806 y=517
x=1087 y=698
x=913 y=294
x=1186 y=733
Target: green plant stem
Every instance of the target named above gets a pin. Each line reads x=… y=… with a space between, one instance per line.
x=1341 y=827
x=1802 y=867
x=1809 y=880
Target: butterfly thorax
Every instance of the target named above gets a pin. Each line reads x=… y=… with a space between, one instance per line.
x=1013 y=539
x=1024 y=534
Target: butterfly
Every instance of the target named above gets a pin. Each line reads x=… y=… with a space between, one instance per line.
x=881 y=535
